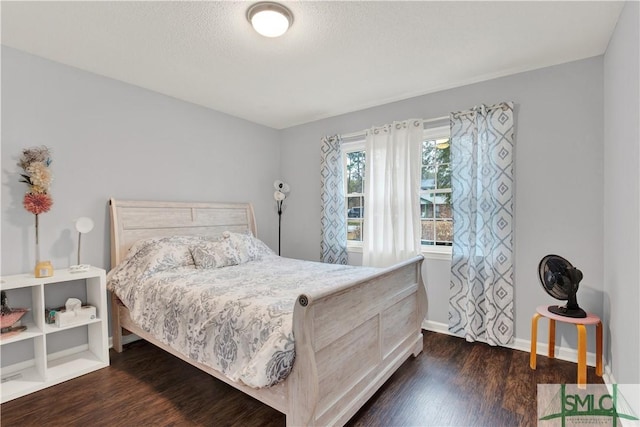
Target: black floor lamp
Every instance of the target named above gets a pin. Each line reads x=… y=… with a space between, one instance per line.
x=280 y=194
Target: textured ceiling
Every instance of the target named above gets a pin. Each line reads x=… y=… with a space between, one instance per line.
x=337 y=57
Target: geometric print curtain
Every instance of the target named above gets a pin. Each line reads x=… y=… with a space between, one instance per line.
x=333 y=245
x=482 y=187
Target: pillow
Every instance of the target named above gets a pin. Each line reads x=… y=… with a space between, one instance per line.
x=249 y=248
x=153 y=255
x=262 y=249
x=244 y=244
x=215 y=254
x=162 y=253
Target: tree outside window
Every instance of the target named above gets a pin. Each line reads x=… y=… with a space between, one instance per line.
x=355 y=167
x=435 y=193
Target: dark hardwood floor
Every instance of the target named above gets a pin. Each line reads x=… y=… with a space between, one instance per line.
x=452 y=383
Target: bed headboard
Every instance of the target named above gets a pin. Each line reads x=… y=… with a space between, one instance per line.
x=132 y=220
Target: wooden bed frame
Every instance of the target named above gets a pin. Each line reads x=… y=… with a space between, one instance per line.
x=349 y=340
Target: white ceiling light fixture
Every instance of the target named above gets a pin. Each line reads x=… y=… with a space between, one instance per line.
x=270 y=19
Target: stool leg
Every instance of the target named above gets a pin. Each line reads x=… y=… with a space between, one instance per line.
x=534 y=340
x=552 y=338
x=599 y=349
x=582 y=356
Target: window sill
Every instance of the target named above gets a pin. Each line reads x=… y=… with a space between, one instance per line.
x=428 y=253
x=442 y=254
x=354 y=248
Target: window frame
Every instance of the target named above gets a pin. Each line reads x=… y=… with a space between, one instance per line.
x=429 y=251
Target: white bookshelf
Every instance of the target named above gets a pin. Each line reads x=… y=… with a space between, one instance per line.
x=45 y=369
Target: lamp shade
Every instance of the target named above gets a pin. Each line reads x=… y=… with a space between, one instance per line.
x=84 y=224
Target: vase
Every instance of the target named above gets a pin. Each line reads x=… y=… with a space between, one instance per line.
x=43 y=268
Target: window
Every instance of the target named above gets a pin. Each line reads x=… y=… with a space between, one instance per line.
x=435 y=190
x=354 y=161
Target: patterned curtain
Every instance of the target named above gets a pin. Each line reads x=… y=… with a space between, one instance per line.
x=481 y=290
x=333 y=246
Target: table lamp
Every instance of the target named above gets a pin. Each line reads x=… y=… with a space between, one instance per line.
x=83 y=225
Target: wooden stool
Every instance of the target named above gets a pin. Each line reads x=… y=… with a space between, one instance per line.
x=580 y=323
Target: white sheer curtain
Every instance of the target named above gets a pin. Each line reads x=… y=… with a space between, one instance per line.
x=392 y=199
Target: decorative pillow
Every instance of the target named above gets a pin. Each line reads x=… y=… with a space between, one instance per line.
x=215 y=254
x=262 y=249
x=249 y=247
x=162 y=253
x=149 y=256
x=244 y=244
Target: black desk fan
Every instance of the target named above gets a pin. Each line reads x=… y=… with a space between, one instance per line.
x=561 y=280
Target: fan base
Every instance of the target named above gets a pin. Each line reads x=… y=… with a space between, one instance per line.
x=567 y=312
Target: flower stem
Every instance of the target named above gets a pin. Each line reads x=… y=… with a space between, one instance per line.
x=37 y=242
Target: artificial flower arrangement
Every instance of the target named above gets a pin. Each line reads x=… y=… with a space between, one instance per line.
x=36 y=174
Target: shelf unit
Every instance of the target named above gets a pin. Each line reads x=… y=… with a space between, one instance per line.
x=49 y=368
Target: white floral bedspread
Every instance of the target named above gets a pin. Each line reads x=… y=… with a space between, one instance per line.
x=237 y=319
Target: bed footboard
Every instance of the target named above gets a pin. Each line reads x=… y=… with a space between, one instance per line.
x=350 y=340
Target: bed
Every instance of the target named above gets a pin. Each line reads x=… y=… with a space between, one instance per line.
x=349 y=339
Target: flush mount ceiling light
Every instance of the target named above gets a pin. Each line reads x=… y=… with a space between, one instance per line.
x=270 y=19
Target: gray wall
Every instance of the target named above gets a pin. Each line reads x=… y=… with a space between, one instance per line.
x=621 y=197
x=111 y=139
x=558 y=168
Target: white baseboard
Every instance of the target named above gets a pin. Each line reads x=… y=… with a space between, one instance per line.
x=126 y=339
x=562 y=353
x=607 y=376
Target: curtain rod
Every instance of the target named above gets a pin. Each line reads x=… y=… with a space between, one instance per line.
x=361 y=133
